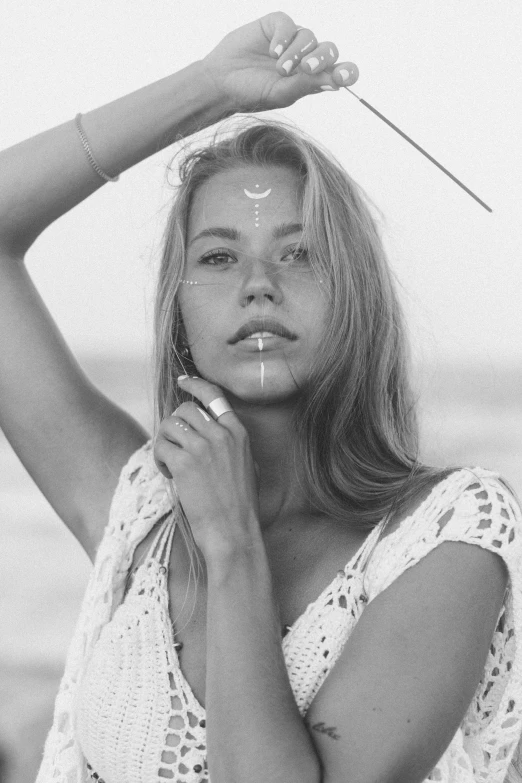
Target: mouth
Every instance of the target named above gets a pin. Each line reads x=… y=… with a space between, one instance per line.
x=257 y=344
x=262 y=329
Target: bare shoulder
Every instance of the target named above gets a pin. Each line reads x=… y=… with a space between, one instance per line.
x=414 y=502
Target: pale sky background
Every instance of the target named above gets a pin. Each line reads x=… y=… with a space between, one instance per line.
x=448 y=73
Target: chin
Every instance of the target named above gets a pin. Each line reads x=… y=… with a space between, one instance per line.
x=278 y=389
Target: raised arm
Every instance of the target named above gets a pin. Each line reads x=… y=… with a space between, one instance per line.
x=72 y=439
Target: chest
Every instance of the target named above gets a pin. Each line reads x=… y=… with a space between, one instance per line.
x=301 y=569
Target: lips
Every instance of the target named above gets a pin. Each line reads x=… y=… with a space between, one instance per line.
x=261 y=325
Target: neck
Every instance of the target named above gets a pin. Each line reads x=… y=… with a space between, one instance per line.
x=280 y=482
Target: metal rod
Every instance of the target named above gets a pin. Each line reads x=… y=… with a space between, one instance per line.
x=426 y=154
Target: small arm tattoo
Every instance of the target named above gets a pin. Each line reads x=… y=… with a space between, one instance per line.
x=329 y=730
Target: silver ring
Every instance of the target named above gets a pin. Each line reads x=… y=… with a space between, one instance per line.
x=218 y=407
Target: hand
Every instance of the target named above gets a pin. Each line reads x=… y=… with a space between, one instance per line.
x=247 y=66
x=213 y=471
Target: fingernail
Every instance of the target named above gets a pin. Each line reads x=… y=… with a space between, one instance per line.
x=313 y=62
x=182 y=377
x=278 y=49
x=351 y=75
x=288 y=65
x=327 y=87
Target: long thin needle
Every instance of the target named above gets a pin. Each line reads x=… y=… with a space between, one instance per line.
x=427 y=155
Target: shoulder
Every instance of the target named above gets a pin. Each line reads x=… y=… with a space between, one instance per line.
x=470 y=506
x=478 y=506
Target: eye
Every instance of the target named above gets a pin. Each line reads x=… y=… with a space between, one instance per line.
x=296 y=254
x=217 y=258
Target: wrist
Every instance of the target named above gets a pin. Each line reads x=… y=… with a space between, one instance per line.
x=226 y=558
x=211 y=87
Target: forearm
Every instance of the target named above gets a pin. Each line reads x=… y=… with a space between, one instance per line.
x=254 y=729
x=45 y=176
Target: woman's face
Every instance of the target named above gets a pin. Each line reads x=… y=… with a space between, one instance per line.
x=247 y=279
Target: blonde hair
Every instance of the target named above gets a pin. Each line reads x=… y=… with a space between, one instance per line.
x=355 y=426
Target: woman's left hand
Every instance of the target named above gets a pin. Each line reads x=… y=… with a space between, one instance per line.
x=213 y=471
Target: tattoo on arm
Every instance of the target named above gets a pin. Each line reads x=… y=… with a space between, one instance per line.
x=320 y=727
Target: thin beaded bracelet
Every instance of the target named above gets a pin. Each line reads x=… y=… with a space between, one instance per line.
x=86 y=146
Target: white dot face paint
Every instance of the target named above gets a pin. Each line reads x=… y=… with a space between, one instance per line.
x=257 y=196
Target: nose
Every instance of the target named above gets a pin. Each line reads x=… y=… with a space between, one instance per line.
x=260 y=285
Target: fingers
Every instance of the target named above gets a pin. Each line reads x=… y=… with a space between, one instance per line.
x=280 y=30
x=322 y=57
x=304 y=51
x=345 y=74
x=342 y=75
x=192 y=415
x=207 y=393
x=305 y=55
x=179 y=432
x=291 y=50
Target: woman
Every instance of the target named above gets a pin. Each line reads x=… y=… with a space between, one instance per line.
x=285 y=453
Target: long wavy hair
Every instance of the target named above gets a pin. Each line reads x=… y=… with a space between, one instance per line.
x=355 y=425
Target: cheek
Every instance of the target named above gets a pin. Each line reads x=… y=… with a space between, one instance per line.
x=201 y=319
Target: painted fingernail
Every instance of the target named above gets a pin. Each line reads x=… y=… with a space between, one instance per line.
x=312 y=63
x=182 y=377
x=278 y=49
x=288 y=65
x=327 y=87
x=207 y=418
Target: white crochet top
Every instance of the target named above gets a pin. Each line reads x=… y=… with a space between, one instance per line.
x=124 y=711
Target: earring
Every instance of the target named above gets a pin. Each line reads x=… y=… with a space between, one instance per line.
x=185 y=352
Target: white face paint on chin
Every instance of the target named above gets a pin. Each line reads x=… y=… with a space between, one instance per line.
x=260 y=346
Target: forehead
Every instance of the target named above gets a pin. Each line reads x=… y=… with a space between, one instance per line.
x=234 y=197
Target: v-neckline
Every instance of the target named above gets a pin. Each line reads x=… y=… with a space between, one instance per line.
x=341 y=573
x=291 y=628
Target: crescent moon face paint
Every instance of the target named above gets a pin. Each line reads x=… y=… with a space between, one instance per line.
x=256 y=195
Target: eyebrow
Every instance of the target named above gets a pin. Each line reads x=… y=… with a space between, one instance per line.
x=221 y=232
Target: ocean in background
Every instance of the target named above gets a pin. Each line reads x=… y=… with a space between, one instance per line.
x=469 y=416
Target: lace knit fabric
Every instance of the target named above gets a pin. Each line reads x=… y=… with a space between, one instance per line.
x=125 y=708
